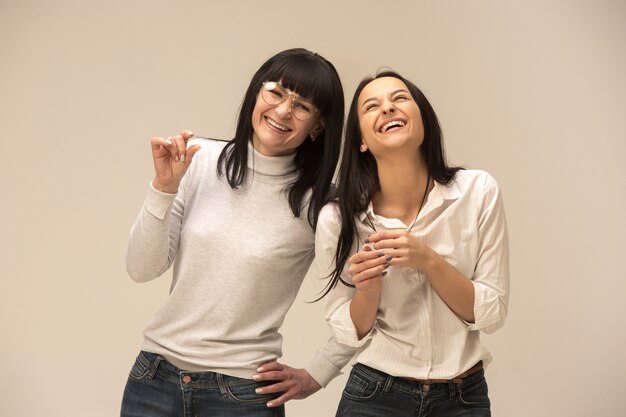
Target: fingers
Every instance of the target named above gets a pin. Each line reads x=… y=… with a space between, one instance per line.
x=179 y=148
x=291 y=383
x=176 y=146
x=272 y=371
x=270 y=366
x=271 y=376
x=367 y=264
x=364 y=256
x=186 y=134
x=385 y=235
x=280 y=400
x=285 y=384
x=390 y=239
x=191 y=151
x=181 y=145
x=158 y=143
x=362 y=279
x=278 y=387
x=171 y=160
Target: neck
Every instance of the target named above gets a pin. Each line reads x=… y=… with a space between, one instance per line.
x=403 y=188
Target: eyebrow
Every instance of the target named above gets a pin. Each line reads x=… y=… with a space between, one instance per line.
x=400 y=90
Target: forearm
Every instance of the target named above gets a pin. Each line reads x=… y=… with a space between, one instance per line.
x=149 y=251
x=456 y=290
x=363 y=310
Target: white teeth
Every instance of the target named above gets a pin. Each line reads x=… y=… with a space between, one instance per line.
x=391 y=124
x=276 y=125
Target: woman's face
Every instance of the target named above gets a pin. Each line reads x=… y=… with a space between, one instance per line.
x=389 y=118
x=276 y=131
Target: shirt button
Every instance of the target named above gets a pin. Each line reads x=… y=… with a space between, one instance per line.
x=186 y=379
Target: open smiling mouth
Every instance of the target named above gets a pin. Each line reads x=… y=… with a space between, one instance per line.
x=277 y=125
x=392 y=125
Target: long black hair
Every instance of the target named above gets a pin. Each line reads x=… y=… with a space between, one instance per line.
x=358 y=173
x=312 y=76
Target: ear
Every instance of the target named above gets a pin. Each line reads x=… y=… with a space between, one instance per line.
x=317 y=129
x=363 y=147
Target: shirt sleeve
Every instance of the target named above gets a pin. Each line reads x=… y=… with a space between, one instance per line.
x=328 y=362
x=154 y=237
x=491 y=275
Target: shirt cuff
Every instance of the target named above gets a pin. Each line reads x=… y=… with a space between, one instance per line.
x=343 y=328
x=322 y=370
x=158 y=203
x=489 y=310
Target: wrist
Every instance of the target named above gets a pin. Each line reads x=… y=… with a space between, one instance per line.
x=369 y=294
x=432 y=262
x=168 y=189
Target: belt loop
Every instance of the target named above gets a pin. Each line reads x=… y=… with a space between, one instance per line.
x=452 y=387
x=388 y=384
x=154 y=366
x=221 y=384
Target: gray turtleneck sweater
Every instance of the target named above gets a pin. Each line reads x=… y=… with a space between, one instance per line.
x=239 y=258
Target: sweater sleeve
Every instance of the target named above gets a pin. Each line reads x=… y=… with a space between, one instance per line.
x=154 y=236
x=328 y=361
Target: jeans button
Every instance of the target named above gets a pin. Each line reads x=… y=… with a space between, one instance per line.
x=186 y=379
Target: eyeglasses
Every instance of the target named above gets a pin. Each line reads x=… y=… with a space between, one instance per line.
x=274 y=94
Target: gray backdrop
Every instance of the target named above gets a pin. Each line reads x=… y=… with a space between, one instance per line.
x=532 y=91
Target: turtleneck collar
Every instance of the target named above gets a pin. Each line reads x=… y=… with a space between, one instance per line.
x=270 y=165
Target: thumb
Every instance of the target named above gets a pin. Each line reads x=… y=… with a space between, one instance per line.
x=191 y=151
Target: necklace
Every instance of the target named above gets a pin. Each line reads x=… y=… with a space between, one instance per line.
x=410 y=227
x=420 y=279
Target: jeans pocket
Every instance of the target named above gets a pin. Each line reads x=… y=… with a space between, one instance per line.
x=142 y=366
x=474 y=394
x=361 y=389
x=243 y=392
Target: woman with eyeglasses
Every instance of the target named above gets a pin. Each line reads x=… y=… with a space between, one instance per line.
x=236 y=220
x=418 y=259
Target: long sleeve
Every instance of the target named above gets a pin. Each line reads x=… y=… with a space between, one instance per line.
x=491 y=275
x=328 y=361
x=154 y=236
x=416 y=334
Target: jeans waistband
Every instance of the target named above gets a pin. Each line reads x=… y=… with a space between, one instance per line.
x=155 y=364
x=408 y=385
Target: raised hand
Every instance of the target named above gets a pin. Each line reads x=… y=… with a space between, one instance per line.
x=403 y=248
x=171 y=160
x=367 y=267
x=456 y=290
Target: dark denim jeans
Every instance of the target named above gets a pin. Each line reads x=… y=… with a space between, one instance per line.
x=372 y=393
x=156 y=388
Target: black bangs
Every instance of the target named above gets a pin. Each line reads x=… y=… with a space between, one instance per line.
x=306 y=77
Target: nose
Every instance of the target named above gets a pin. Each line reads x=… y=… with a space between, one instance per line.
x=284 y=108
x=388 y=108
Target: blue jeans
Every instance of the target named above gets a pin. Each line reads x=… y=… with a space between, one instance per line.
x=156 y=388
x=372 y=393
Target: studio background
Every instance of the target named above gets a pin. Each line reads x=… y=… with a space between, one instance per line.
x=533 y=92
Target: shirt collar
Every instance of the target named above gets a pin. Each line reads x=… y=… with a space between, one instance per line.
x=436 y=197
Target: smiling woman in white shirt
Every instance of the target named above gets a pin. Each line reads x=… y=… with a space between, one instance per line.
x=418 y=261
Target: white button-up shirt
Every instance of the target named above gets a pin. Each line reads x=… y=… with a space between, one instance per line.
x=416 y=335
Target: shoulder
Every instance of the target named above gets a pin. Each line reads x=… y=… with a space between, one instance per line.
x=330 y=213
x=480 y=190
x=329 y=219
x=475 y=180
x=210 y=150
